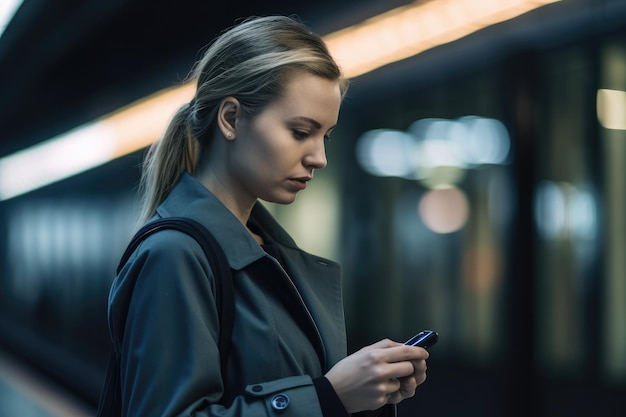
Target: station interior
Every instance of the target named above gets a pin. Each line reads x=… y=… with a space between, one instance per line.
x=476 y=186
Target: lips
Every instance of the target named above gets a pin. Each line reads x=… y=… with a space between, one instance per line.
x=300 y=183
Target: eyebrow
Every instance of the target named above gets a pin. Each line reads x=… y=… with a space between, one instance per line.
x=315 y=123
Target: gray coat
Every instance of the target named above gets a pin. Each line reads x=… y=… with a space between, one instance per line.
x=167 y=332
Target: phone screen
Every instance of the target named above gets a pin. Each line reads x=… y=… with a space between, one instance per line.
x=425 y=339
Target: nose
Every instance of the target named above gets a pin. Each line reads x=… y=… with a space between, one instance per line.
x=315 y=157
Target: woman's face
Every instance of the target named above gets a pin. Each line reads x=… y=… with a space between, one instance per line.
x=274 y=154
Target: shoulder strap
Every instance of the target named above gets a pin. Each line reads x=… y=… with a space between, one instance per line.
x=225 y=297
x=217 y=259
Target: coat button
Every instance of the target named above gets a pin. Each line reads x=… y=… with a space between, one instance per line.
x=280 y=402
x=257 y=388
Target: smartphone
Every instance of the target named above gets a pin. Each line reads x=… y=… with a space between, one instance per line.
x=425 y=339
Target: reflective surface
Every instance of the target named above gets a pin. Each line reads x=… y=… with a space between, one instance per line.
x=27 y=393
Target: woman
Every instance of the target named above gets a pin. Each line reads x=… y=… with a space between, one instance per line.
x=267 y=99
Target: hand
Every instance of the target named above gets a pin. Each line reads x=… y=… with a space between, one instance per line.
x=409 y=384
x=386 y=372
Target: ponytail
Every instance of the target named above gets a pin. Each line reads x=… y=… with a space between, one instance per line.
x=166 y=161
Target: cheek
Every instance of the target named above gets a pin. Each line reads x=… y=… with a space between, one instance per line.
x=265 y=148
x=255 y=157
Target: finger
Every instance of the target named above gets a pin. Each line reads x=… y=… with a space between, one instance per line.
x=419 y=365
x=395 y=397
x=418 y=352
x=401 y=353
x=393 y=385
x=397 y=370
x=420 y=374
x=408 y=385
x=382 y=344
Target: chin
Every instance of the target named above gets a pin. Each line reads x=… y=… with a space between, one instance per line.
x=284 y=200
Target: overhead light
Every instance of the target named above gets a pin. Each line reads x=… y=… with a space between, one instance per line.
x=409 y=30
x=90 y=145
x=8 y=8
x=392 y=36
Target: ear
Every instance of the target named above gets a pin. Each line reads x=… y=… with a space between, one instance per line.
x=227 y=114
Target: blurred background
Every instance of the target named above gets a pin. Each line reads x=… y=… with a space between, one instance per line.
x=476 y=186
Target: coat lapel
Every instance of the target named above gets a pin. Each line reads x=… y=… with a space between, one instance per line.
x=318 y=282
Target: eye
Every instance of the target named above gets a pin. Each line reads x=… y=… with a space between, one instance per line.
x=300 y=134
x=326 y=138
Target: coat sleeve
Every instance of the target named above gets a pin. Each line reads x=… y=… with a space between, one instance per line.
x=389 y=410
x=169 y=349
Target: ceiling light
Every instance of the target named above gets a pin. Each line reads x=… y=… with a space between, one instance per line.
x=409 y=30
x=90 y=145
x=8 y=8
x=392 y=36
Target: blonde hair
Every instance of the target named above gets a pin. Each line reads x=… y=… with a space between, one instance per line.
x=251 y=61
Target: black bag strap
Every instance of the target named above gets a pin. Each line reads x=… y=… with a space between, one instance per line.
x=110 y=400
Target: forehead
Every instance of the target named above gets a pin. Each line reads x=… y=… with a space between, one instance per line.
x=309 y=96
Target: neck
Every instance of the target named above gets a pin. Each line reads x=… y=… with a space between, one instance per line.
x=208 y=173
x=219 y=188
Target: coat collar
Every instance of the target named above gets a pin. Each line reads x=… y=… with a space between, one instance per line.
x=189 y=198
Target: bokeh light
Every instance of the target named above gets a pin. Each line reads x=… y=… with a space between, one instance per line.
x=387 y=153
x=435 y=151
x=444 y=210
